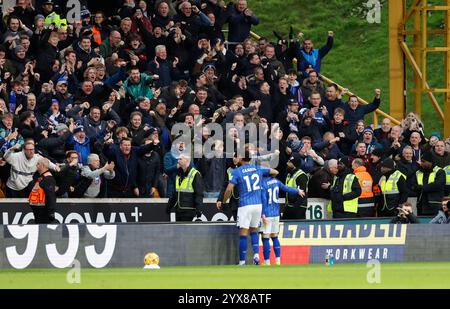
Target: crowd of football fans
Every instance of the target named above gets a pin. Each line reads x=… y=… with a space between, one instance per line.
x=99 y=98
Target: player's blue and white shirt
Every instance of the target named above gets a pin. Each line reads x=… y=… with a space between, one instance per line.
x=271 y=190
x=249 y=178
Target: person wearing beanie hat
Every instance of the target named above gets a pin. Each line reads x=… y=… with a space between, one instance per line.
x=369 y=140
x=289 y=119
x=345 y=162
x=60 y=127
x=296 y=146
x=393 y=189
x=429 y=185
x=378 y=152
x=80 y=143
x=85 y=13
x=78 y=129
x=375 y=164
x=296 y=178
x=427 y=156
x=39 y=16
x=368 y=130
x=388 y=163
x=209 y=66
x=19 y=48
x=373 y=167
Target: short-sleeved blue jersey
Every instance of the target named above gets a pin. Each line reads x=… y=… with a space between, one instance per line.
x=272 y=187
x=248 y=178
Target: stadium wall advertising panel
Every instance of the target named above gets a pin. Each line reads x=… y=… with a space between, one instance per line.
x=349 y=243
x=17 y=211
x=116 y=245
x=124 y=245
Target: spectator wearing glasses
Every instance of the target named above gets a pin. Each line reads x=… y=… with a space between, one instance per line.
x=65 y=40
x=99 y=27
x=111 y=45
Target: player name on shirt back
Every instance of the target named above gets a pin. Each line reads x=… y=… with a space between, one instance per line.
x=272 y=182
x=247 y=170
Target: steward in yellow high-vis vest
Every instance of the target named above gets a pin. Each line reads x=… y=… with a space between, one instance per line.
x=54 y=18
x=447 y=180
x=441 y=158
x=295 y=205
x=430 y=185
x=344 y=192
x=188 y=197
x=394 y=190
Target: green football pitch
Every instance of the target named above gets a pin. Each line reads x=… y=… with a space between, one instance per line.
x=391 y=275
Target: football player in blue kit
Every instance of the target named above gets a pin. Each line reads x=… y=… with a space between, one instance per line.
x=248 y=178
x=271 y=216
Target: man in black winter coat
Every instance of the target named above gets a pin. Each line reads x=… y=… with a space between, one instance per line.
x=68 y=176
x=126 y=158
x=148 y=172
x=53 y=147
x=355 y=111
x=430 y=185
x=47 y=55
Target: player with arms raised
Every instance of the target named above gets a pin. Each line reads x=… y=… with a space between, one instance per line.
x=248 y=178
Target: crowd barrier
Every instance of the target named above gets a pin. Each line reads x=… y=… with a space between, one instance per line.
x=125 y=245
x=17 y=211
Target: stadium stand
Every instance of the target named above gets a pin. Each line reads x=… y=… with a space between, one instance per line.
x=109 y=85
